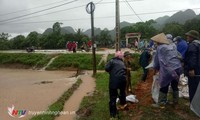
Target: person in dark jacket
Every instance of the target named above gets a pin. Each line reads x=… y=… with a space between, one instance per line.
x=144 y=62
x=181 y=46
x=117 y=80
x=192 y=62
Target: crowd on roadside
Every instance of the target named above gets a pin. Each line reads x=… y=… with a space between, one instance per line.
x=173 y=57
x=73 y=46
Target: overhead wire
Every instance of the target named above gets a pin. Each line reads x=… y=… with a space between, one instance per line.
x=49 y=13
x=101 y=17
x=6 y=20
x=133 y=11
x=100 y=2
x=23 y=10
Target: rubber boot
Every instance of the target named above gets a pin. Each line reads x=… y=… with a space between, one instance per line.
x=175 y=98
x=162 y=100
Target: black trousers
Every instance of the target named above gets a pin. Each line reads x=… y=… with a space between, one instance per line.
x=193 y=83
x=144 y=76
x=174 y=85
x=113 y=96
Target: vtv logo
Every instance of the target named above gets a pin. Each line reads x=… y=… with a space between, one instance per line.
x=16 y=113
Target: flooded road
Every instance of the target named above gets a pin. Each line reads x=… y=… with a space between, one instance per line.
x=31 y=90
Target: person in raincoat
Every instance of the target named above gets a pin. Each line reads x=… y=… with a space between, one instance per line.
x=168 y=64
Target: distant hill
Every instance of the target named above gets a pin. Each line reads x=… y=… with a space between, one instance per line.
x=162 y=20
x=180 y=17
x=67 y=29
x=64 y=30
x=125 y=24
x=48 y=31
x=96 y=31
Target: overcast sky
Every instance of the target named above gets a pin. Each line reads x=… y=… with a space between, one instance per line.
x=24 y=16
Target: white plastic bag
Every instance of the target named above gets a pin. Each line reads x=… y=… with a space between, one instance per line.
x=155 y=88
x=130 y=98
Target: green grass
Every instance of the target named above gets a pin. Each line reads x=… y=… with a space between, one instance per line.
x=97 y=104
x=81 y=61
x=62 y=62
x=37 y=60
x=59 y=104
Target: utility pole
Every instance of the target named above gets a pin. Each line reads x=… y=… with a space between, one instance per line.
x=117 y=28
x=90 y=10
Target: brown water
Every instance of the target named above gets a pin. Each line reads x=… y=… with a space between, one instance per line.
x=72 y=105
x=31 y=90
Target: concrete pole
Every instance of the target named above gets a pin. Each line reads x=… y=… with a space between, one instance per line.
x=117 y=41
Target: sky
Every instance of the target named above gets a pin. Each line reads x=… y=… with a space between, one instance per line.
x=24 y=16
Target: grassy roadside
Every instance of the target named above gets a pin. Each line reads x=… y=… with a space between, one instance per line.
x=29 y=60
x=59 y=104
x=96 y=107
x=62 y=62
x=76 y=60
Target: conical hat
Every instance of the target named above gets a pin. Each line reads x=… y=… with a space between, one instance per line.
x=160 y=38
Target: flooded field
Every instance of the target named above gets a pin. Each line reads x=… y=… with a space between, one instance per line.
x=30 y=90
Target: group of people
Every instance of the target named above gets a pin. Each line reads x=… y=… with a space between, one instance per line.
x=172 y=58
x=71 y=46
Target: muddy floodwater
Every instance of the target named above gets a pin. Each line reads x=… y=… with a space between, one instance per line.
x=31 y=90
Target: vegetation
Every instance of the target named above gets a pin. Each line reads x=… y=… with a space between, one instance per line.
x=177 y=25
x=81 y=61
x=58 y=105
x=96 y=107
x=30 y=60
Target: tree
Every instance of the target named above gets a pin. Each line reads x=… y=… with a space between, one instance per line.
x=57 y=28
x=192 y=25
x=4 y=36
x=4 y=43
x=18 y=42
x=145 y=28
x=32 y=39
x=104 y=38
x=175 y=29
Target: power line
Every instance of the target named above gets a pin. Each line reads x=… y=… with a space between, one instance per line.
x=44 y=14
x=23 y=10
x=5 y=14
x=133 y=10
x=98 y=2
x=120 y=1
x=50 y=13
x=103 y=17
x=37 y=11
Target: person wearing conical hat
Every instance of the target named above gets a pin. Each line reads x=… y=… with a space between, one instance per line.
x=167 y=63
x=192 y=62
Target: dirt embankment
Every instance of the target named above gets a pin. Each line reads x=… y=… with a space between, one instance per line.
x=143 y=92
